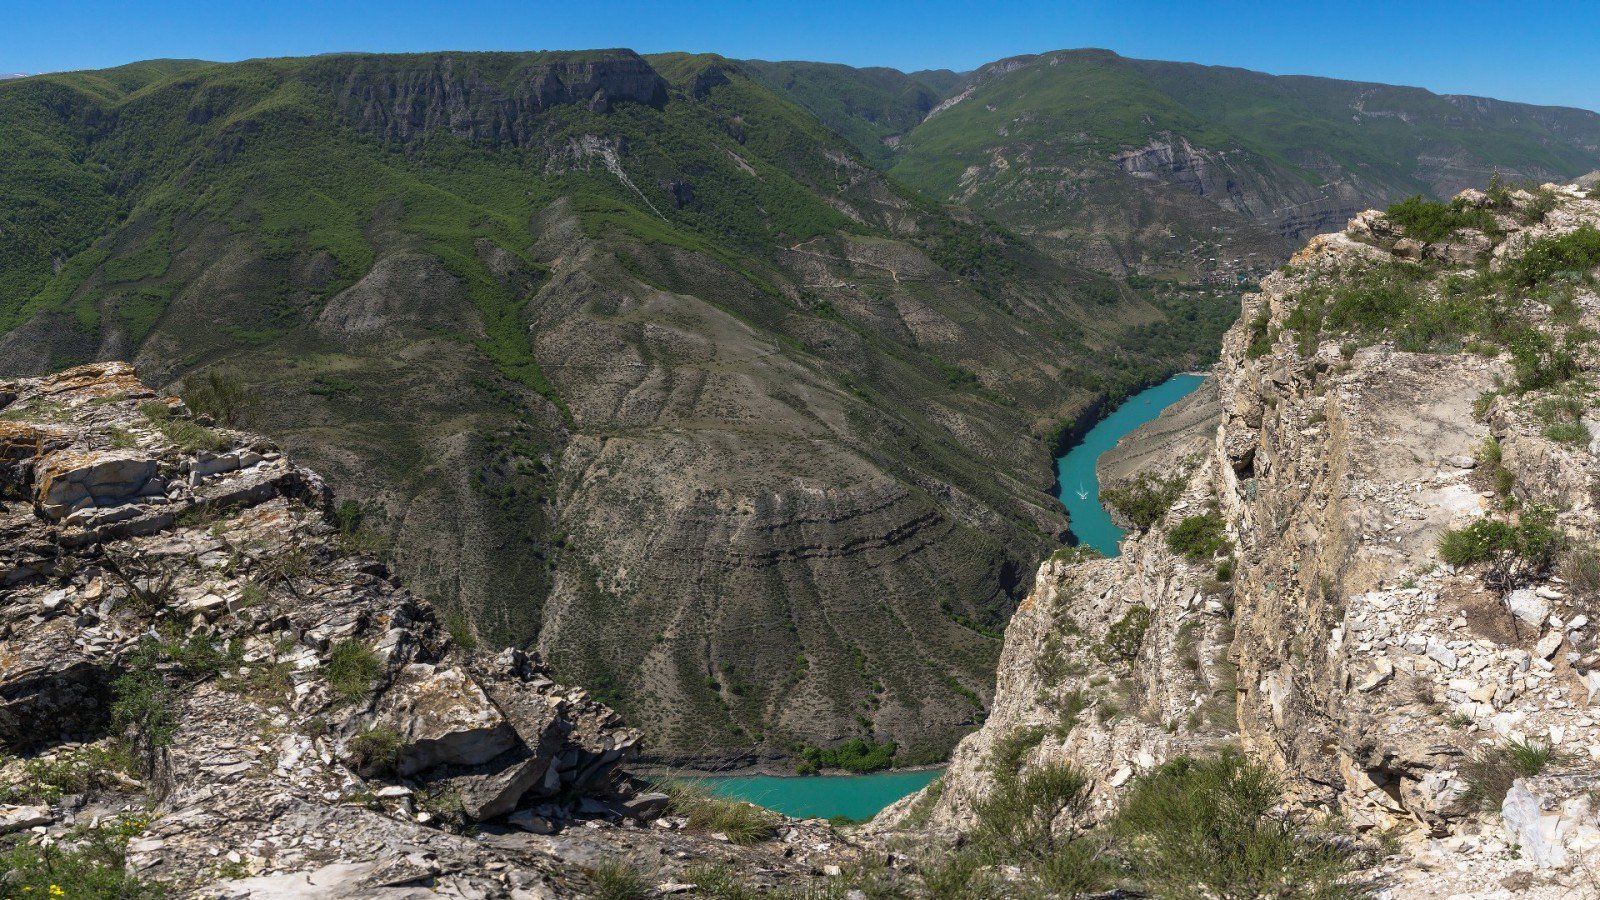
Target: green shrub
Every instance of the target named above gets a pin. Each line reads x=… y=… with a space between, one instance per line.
x=1125 y=637
x=90 y=864
x=1481 y=541
x=1006 y=756
x=1199 y=538
x=1428 y=221
x=143 y=704
x=220 y=395
x=854 y=755
x=1489 y=773
x=1577 y=252
x=1019 y=813
x=351 y=670
x=1145 y=499
x=1261 y=335
x=1208 y=828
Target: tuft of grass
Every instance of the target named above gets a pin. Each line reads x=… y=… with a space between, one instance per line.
x=1568 y=433
x=1489 y=773
x=616 y=880
x=743 y=823
x=351 y=669
x=1124 y=637
x=375 y=752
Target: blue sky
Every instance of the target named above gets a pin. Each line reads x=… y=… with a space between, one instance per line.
x=1541 y=52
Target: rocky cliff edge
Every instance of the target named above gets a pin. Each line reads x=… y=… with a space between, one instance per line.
x=1398 y=613
x=201 y=666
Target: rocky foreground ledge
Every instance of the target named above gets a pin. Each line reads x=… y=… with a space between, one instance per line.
x=199 y=669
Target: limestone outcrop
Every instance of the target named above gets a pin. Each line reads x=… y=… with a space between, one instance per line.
x=192 y=648
x=1392 y=678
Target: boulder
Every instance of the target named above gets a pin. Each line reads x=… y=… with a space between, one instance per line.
x=70 y=480
x=1552 y=818
x=444 y=718
x=17 y=818
x=1528 y=606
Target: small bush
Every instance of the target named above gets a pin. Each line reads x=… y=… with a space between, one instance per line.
x=351 y=670
x=1427 y=221
x=220 y=395
x=1208 y=828
x=375 y=752
x=1577 y=252
x=1533 y=542
x=1489 y=773
x=1481 y=541
x=741 y=822
x=143 y=703
x=1125 y=637
x=1199 y=538
x=1145 y=499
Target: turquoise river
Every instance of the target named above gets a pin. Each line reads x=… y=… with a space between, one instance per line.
x=862 y=796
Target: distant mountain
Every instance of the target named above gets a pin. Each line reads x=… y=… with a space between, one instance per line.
x=635 y=359
x=1156 y=167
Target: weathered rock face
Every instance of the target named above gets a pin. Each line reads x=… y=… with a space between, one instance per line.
x=306 y=725
x=494 y=97
x=1372 y=675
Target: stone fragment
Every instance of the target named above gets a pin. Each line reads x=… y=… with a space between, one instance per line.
x=1529 y=606
x=1549 y=644
x=1382 y=673
x=1551 y=816
x=18 y=818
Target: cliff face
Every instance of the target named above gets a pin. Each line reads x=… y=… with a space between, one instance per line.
x=205 y=683
x=1377 y=669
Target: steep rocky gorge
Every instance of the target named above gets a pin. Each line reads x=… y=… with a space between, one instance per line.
x=1341 y=647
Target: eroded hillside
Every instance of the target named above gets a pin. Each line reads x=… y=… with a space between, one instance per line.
x=631 y=358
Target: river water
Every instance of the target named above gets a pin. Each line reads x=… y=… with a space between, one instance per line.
x=822 y=796
x=1080 y=486
x=862 y=796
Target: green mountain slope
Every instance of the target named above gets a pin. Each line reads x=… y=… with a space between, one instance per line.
x=1167 y=168
x=865 y=106
x=634 y=359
